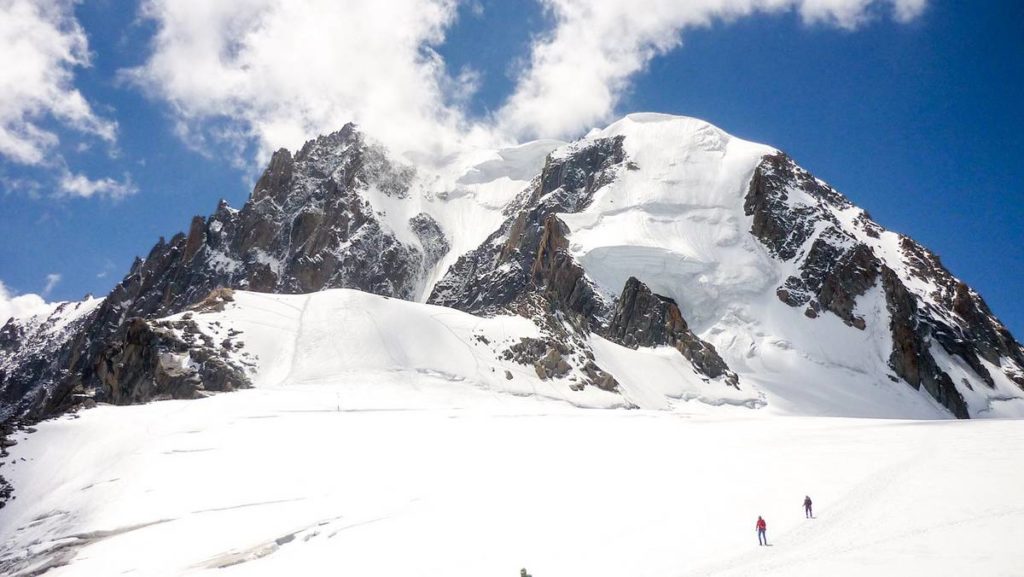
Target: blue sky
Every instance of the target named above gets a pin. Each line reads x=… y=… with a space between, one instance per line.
x=916 y=118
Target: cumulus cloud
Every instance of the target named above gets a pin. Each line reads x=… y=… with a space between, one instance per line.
x=278 y=72
x=20 y=306
x=42 y=43
x=74 y=185
x=578 y=72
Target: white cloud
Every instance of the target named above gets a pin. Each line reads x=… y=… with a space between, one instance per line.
x=42 y=43
x=283 y=71
x=81 y=186
x=52 y=280
x=577 y=74
x=278 y=72
x=907 y=10
x=20 y=306
x=108 y=267
x=850 y=14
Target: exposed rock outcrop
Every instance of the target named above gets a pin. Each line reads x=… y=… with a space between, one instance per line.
x=791 y=209
x=643 y=318
x=35 y=356
x=780 y=223
x=562 y=280
x=435 y=244
x=151 y=360
x=799 y=219
x=911 y=356
x=493 y=276
x=834 y=272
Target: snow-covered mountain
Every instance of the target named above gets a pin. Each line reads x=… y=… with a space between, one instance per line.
x=796 y=289
x=339 y=213
x=416 y=341
x=656 y=233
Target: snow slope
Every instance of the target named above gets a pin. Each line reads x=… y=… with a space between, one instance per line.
x=676 y=222
x=317 y=342
x=383 y=437
x=332 y=340
x=412 y=474
x=465 y=195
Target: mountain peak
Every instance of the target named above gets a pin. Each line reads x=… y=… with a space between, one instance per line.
x=674 y=131
x=657 y=233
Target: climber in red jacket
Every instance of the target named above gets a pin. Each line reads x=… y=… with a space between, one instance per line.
x=762 y=527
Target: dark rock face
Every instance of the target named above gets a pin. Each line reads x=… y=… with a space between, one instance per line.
x=307 y=226
x=431 y=237
x=783 y=226
x=965 y=316
x=833 y=274
x=837 y=268
x=643 y=318
x=7 y=430
x=546 y=357
x=559 y=352
x=152 y=360
x=34 y=354
x=562 y=279
x=493 y=276
x=911 y=356
x=276 y=178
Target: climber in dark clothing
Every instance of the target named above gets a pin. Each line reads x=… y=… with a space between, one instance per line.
x=762 y=528
x=807 y=507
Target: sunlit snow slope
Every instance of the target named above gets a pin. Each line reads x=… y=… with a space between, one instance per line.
x=338 y=337
x=330 y=336
x=415 y=474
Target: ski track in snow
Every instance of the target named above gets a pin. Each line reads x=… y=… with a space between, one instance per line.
x=833 y=531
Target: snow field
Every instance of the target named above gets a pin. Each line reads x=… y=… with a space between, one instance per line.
x=388 y=482
x=379 y=441
x=323 y=338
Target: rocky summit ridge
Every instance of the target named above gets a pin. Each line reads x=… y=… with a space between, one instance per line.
x=657 y=231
